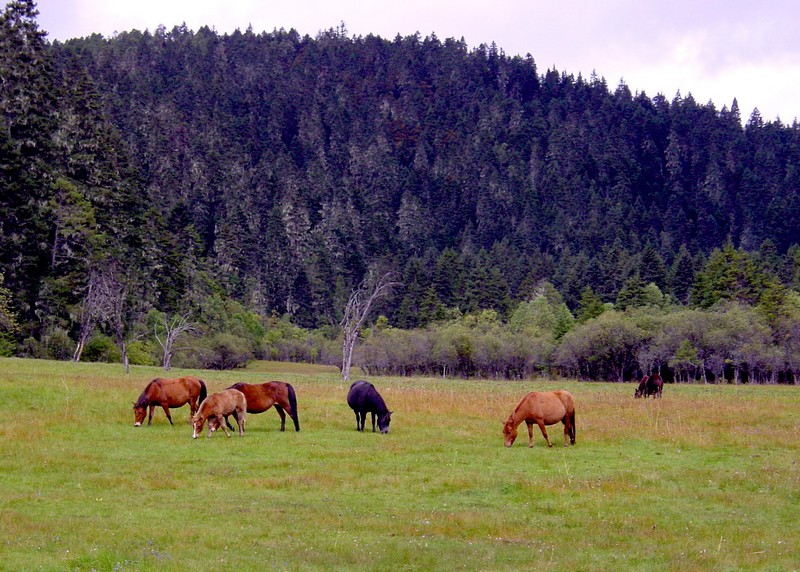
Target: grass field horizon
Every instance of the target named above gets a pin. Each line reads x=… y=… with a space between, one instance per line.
x=706 y=478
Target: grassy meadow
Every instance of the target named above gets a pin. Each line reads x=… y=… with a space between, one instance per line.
x=705 y=479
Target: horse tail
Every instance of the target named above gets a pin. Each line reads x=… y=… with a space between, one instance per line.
x=293 y=404
x=569 y=402
x=203 y=392
x=572 y=426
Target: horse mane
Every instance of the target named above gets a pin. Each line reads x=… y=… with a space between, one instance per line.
x=381 y=403
x=512 y=418
x=142 y=401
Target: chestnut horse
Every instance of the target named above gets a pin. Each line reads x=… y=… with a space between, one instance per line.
x=216 y=407
x=542 y=408
x=167 y=393
x=262 y=396
x=650 y=385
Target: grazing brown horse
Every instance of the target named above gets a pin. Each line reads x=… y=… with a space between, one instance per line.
x=167 y=393
x=214 y=409
x=262 y=396
x=542 y=408
x=650 y=385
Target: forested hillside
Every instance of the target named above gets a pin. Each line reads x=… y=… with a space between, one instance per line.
x=186 y=170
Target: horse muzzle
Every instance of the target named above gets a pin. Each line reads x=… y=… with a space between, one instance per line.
x=137 y=424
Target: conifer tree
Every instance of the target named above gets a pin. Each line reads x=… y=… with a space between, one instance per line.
x=682 y=275
x=590 y=305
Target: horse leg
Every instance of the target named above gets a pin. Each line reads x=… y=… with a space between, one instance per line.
x=540 y=423
x=228 y=423
x=373 y=421
x=150 y=416
x=166 y=410
x=361 y=418
x=241 y=419
x=280 y=411
x=220 y=422
x=566 y=430
x=530 y=433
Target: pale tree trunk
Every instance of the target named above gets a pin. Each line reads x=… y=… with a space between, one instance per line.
x=76 y=355
x=124 y=347
x=107 y=303
x=90 y=309
x=356 y=312
x=166 y=334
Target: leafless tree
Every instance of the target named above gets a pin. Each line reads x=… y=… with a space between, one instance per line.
x=106 y=302
x=89 y=313
x=358 y=306
x=167 y=331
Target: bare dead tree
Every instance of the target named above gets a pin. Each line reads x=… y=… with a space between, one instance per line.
x=89 y=313
x=105 y=302
x=114 y=293
x=355 y=313
x=167 y=332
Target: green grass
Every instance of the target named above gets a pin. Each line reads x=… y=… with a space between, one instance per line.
x=705 y=479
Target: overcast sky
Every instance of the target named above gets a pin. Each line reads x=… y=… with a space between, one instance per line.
x=716 y=50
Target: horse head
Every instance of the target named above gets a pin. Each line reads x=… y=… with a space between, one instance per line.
x=138 y=415
x=197 y=425
x=509 y=432
x=384 y=420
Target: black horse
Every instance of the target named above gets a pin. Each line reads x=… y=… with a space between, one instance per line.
x=650 y=385
x=363 y=398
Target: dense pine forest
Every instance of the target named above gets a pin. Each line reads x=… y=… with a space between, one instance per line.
x=228 y=192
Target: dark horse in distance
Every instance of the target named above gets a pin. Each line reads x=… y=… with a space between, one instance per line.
x=262 y=396
x=167 y=393
x=363 y=398
x=650 y=385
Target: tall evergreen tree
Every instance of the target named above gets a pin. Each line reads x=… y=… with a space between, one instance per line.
x=682 y=275
x=652 y=267
x=589 y=306
x=27 y=104
x=633 y=294
x=729 y=274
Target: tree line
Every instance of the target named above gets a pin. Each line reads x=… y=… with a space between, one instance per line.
x=252 y=180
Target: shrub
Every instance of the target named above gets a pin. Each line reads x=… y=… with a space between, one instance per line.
x=224 y=351
x=141 y=353
x=7 y=345
x=101 y=348
x=55 y=344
